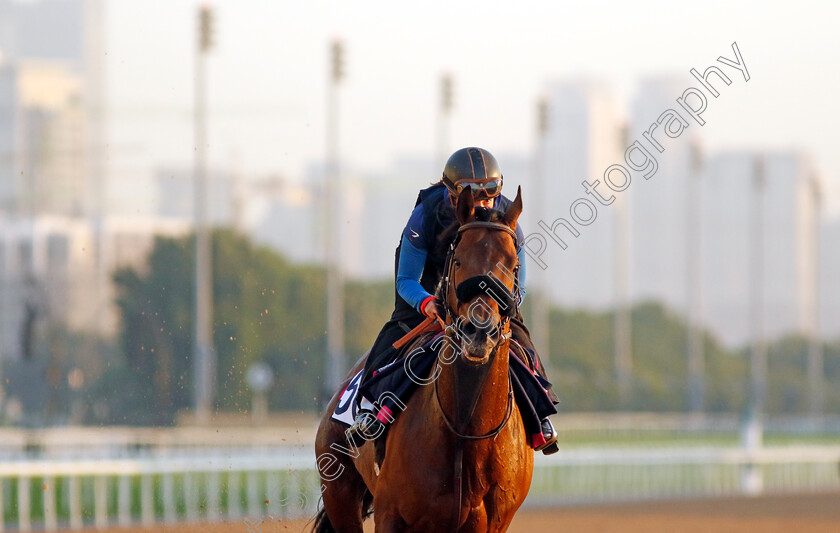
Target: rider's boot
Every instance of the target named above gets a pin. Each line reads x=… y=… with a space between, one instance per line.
x=550 y=436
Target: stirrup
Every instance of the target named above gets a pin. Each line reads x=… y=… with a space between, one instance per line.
x=360 y=421
x=550 y=436
x=551 y=448
x=365 y=427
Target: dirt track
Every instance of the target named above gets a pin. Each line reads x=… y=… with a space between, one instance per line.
x=778 y=514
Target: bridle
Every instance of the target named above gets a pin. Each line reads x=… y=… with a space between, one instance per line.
x=448 y=264
x=503 y=325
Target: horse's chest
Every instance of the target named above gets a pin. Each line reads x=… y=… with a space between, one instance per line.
x=493 y=466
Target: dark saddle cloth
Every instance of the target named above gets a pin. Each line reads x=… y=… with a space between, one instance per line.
x=390 y=387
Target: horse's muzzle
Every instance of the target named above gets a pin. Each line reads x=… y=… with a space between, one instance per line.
x=478 y=339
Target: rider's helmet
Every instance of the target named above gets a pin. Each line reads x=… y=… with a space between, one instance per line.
x=473 y=168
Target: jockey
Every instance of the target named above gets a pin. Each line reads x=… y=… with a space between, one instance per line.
x=420 y=262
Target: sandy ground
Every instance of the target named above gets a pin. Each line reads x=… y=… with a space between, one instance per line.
x=776 y=514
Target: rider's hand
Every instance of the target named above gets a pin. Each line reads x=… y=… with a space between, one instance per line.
x=431 y=309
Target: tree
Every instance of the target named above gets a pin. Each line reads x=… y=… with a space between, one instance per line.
x=267 y=309
x=264 y=309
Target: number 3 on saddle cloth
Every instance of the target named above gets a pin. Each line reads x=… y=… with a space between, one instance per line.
x=390 y=387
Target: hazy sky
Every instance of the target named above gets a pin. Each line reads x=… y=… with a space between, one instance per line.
x=268 y=74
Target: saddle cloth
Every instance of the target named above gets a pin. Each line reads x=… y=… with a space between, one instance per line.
x=351 y=402
x=348 y=406
x=387 y=392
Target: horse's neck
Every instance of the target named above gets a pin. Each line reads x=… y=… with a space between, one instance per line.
x=490 y=397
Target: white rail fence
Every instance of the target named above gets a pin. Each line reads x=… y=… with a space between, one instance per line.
x=604 y=475
x=46 y=495
x=603 y=428
x=122 y=442
x=55 y=494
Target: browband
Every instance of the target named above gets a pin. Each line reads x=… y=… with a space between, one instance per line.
x=490 y=225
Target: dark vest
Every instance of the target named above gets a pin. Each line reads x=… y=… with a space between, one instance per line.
x=438 y=217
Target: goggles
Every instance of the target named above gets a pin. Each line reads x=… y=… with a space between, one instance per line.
x=480 y=189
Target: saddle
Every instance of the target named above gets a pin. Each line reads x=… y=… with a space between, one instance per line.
x=389 y=386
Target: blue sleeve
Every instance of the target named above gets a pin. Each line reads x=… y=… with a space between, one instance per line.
x=413 y=231
x=520 y=253
x=412 y=262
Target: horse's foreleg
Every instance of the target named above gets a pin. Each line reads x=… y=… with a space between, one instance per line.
x=476 y=521
x=389 y=523
x=498 y=511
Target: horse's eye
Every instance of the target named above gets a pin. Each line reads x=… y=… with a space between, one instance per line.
x=456 y=262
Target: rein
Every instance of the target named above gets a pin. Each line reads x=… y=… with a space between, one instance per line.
x=505 y=319
x=491 y=434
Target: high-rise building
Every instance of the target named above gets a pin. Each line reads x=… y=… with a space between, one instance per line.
x=583 y=140
x=777 y=253
x=829 y=287
x=42 y=29
x=48 y=272
x=386 y=203
x=377 y=205
x=658 y=205
x=175 y=195
x=42 y=139
x=281 y=214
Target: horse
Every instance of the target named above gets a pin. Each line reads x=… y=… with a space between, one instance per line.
x=457 y=458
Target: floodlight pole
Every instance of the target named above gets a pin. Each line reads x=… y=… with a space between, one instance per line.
x=334 y=201
x=694 y=334
x=753 y=430
x=816 y=363
x=758 y=355
x=623 y=343
x=204 y=355
x=540 y=302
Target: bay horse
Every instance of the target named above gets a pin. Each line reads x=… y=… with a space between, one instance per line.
x=457 y=458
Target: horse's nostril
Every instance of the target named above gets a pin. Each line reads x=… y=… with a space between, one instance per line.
x=469 y=329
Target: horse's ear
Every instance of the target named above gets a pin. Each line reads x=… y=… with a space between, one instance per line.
x=515 y=209
x=465 y=206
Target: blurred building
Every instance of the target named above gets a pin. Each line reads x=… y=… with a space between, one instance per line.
x=42 y=139
x=48 y=272
x=829 y=293
x=387 y=201
x=786 y=238
x=378 y=204
x=175 y=194
x=583 y=139
x=43 y=29
x=282 y=215
x=289 y=216
x=384 y=211
x=658 y=205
